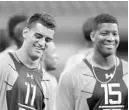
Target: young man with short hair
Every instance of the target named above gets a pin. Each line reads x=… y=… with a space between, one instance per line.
x=100 y=80
x=22 y=78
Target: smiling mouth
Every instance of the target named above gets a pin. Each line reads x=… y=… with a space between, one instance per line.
x=42 y=49
x=109 y=45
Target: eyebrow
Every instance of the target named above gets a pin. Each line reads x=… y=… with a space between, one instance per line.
x=43 y=35
x=39 y=34
x=109 y=31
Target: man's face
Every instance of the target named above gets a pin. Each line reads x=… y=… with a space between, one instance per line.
x=51 y=56
x=106 y=38
x=36 y=39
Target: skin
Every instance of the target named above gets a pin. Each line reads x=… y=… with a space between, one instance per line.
x=36 y=39
x=106 y=40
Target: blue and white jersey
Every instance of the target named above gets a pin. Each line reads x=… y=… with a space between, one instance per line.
x=80 y=89
x=22 y=88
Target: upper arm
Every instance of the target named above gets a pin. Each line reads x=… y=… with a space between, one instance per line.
x=8 y=73
x=8 y=77
x=125 y=67
x=125 y=72
x=64 y=93
x=53 y=92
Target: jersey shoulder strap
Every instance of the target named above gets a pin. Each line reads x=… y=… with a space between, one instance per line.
x=16 y=63
x=87 y=63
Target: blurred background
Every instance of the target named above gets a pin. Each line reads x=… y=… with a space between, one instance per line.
x=70 y=16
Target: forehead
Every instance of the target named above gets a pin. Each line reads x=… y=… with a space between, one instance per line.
x=108 y=27
x=41 y=29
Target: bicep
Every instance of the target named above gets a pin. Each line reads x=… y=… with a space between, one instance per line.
x=125 y=78
x=8 y=77
x=125 y=72
x=64 y=94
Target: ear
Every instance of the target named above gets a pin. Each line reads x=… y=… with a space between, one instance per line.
x=25 y=32
x=92 y=36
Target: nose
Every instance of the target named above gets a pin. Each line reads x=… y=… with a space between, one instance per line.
x=110 y=38
x=42 y=43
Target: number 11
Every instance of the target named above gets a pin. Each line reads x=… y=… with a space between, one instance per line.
x=28 y=93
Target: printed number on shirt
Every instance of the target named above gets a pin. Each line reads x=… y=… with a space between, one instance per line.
x=108 y=89
x=28 y=85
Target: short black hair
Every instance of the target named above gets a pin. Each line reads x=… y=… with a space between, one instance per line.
x=104 y=18
x=45 y=19
x=18 y=33
x=13 y=21
x=4 y=40
x=87 y=28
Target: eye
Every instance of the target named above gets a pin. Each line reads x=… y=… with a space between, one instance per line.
x=48 y=40
x=115 y=34
x=104 y=33
x=38 y=36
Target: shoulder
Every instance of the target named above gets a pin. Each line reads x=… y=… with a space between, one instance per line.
x=76 y=72
x=124 y=62
x=80 y=67
x=125 y=71
x=125 y=66
x=7 y=69
x=80 y=55
x=49 y=77
x=75 y=58
x=6 y=61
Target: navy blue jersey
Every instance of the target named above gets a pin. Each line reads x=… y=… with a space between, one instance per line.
x=26 y=93
x=80 y=89
x=111 y=95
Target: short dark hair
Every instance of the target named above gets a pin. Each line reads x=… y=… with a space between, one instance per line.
x=13 y=21
x=87 y=28
x=45 y=19
x=104 y=18
x=18 y=33
x=4 y=40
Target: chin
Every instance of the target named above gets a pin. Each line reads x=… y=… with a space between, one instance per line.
x=38 y=54
x=51 y=68
x=106 y=54
x=35 y=56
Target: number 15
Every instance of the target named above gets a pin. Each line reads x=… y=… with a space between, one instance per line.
x=108 y=91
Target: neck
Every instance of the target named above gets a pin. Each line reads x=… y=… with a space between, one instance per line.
x=103 y=62
x=26 y=59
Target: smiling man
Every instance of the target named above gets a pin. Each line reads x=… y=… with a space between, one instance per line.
x=99 y=81
x=21 y=75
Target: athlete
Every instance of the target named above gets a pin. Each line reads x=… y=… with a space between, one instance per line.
x=48 y=61
x=99 y=81
x=76 y=58
x=22 y=78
